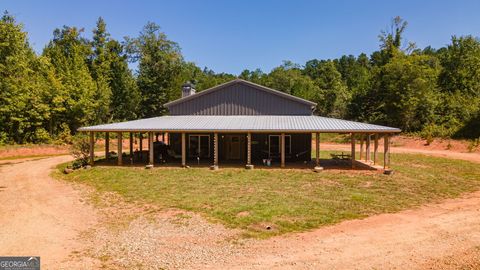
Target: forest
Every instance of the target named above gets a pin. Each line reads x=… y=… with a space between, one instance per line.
x=75 y=81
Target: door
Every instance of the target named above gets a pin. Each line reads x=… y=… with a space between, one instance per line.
x=199 y=146
x=234 y=147
x=274 y=148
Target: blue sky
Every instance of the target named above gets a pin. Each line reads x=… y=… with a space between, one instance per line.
x=229 y=36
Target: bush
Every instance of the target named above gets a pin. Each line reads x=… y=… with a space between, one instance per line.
x=41 y=136
x=80 y=150
x=432 y=131
x=65 y=136
x=473 y=145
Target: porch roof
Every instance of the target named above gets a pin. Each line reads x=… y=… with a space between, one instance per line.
x=241 y=123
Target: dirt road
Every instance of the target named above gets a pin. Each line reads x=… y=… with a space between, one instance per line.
x=40 y=216
x=46 y=217
x=473 y=157
x=437 y=236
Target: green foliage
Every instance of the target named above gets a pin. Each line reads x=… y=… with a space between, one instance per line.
x=332 y=96
x=65 y=135
x=473 y=144
x=77 y=82
x=80 y=150
x=159 y=63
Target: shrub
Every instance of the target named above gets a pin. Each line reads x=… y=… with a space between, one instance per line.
x=473 y=145
x=80 y=150
x=432 y=131
x=41 y=136
x=65 y=136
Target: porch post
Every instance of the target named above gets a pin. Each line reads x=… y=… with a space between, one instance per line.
x=317 y=149
x=215 y=152
x=375 y=149
x=352 y=154
x=249 y=151
x=119 y=148
x=282 y=142
x=361 y=146
x=140 y=137
x=367 y=148
x=92 y=147
x=131 y=146
x=184 y=151
x=150 y=148
x=107 y=145
x=386 y=151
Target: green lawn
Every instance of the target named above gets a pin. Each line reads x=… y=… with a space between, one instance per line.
x=287 y=199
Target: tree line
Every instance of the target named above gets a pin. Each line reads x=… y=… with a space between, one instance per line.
x=76 y=81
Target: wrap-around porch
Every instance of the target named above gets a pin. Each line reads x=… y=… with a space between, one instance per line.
x=249 y=149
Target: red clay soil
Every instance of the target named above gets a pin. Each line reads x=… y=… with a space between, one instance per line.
x=436 y=236
x=40 y=216
x=461 y=146
x=32 y=150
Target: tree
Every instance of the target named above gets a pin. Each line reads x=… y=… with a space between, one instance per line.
x=288 y=78
x=125 y=98
x=391 y=40
x=73 y=96
x=23 y=110
x=460 y=83
x=160 y=63
x=408 y=93
x=100 y=71
x=332 y=97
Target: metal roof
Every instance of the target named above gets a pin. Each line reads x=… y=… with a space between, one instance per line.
x=242 y=123
x=254 y=85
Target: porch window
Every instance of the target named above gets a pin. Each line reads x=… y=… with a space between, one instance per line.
x=274 y=145
x=199 y=146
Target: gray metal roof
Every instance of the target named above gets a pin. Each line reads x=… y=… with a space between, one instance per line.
x=242 y=123
x=257 y=86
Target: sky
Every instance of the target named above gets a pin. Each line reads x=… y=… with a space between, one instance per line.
x=230 y=36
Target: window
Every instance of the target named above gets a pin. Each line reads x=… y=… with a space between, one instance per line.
x=199 y=146
x=274 y=145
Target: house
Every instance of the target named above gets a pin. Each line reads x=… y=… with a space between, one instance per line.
x=242 y=122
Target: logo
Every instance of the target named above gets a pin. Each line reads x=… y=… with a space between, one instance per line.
x=19 y=263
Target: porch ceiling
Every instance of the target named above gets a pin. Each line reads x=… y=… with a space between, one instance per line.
x=241 y=123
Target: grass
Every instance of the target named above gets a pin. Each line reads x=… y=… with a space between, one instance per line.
x=288 y=200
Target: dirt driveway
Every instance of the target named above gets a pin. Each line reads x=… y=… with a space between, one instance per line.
x=40 y=216
x=49 y=218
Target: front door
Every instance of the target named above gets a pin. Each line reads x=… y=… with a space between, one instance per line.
x=234 y=146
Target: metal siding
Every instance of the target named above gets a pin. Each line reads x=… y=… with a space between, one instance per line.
x=240 y=99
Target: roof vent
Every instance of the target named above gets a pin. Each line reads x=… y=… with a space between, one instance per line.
x=188 y=89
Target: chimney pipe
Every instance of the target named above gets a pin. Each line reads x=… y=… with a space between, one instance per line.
x=188 y=89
